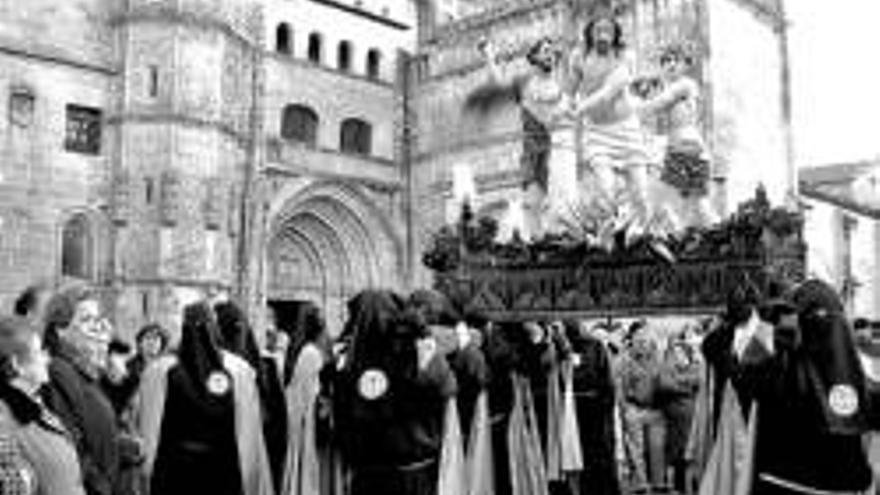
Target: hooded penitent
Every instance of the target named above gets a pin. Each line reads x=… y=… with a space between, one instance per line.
x=833 y=380
x=390 y=411
x=309 y=328
x=199 y=352
x=717 y=347
x=593 y=389
x=811 y=404
x=307 y=465
x=237 y=337
x=199 y=415
x=377 y=334
x=370 y=330
x=198 y=431
x=287 y=316
x=235 y=333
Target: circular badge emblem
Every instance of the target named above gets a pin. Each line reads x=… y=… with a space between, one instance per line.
x=218 y=383
x=373 y=384
x=843 y=400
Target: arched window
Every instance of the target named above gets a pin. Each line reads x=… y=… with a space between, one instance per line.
x=374 y=61
x=356 y=136
x=343 y=56
x=315 y=47
x=300 y=123
x=76 y=248
x=283 y=40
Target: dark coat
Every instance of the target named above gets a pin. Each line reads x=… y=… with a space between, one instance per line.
x=197 y=446
x=75 y=395
x=594 y=402
x=411 y=433
x=812 y=414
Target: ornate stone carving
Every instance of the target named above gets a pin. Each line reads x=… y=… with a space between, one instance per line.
x=215 y=203
x=122 y=186
x=169 y=202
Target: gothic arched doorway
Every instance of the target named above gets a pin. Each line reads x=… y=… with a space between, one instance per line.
x=327 y=242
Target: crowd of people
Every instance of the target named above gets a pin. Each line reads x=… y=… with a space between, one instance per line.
x=417 y=397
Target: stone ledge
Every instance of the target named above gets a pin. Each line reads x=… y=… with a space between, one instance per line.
x=47 y=53
x=164 y=15
x=182 y=120
x=388 y=186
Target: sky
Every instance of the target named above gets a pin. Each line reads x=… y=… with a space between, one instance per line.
x=834 y=48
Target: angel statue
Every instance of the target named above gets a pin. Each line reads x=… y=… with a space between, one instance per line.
x=683 y=188
x=548 y=160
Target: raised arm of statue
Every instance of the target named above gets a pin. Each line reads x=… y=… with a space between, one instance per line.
x=574 y=70
x=510 y=75
x=671 y=94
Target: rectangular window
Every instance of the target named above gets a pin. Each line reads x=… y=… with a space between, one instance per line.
x=21 y=107
x=154 y=81
x=83 y=134
x=145 y=304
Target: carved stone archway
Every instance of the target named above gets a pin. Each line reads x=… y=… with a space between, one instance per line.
x=328 y=241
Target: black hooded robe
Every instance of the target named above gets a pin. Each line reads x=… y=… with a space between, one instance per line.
x=392 y=441
x=594 y=402
x=812 y=408
x=197 y=451
x=238 y=338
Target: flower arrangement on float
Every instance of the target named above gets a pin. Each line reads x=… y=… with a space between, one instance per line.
x=748 y=233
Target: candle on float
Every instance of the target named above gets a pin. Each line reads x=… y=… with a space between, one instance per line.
x=464 y=187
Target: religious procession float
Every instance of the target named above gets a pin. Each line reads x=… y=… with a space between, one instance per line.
x=558 y=277
x=615 y=215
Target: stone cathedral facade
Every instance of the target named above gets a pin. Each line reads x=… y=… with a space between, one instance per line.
x=302 y=149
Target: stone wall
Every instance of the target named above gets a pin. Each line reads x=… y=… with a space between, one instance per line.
x=291 y=81
x=185 y=125
x=371 y=24
x=43 y=184
x=828 y=253
x=749 y=132
x=77 y=30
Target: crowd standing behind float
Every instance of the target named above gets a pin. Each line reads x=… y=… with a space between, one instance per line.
x=418 y=397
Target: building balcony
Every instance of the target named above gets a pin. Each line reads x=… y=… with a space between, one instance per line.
x=301 y=159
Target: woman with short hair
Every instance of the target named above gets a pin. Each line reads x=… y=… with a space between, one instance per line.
x=38 y=434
